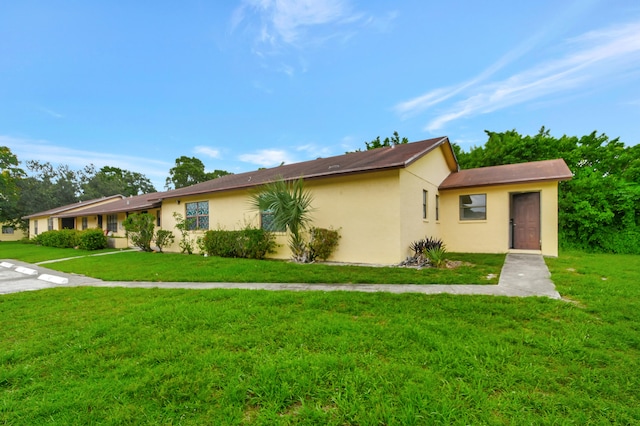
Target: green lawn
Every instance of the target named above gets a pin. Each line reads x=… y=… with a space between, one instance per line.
x=167 y=267
x=33 y=253
x=151 y=356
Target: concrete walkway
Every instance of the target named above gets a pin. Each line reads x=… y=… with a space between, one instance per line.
x=522 y=275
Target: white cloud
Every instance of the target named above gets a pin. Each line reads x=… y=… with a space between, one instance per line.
x=595 y=58
x=268 y=158
x=286 y=21
x=314 y=151
x=45 y=151
x=51 y=112
x=292 y=29
x=209 y=152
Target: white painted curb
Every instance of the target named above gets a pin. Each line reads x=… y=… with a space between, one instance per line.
x=26 y=271
x=53 y=279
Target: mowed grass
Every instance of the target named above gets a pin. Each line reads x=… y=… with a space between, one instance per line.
x=32 y=253
x=233 y=357
x=173 y=267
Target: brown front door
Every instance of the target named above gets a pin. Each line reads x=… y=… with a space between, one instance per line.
x=526 y=221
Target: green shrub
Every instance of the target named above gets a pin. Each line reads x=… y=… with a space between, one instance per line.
x=256 y=243
x=140 y=227
x=220 y=243
x=436 y=256
x=420 y=247
x=164 y=238
x=93 y=239
x=64 y=238
x=247 y=243
x=323 y=243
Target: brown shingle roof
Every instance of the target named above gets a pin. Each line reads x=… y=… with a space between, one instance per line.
x=127 y=204
x=68 y=207
x=537 y=171
x=386 y=158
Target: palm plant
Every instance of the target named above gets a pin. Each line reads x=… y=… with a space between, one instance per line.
x=290 y=205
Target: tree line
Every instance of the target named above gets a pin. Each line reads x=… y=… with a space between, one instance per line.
x=40 y=186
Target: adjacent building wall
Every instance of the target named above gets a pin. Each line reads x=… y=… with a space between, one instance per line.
x=11 y=233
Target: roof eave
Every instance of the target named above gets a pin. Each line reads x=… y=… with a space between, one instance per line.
x=306 y=177
x=513 y=182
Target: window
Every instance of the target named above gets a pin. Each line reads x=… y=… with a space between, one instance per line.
x=437 y=207
x=266 y=221
x=425 y=196
x=157 y=217
x=7 y=229
x=198 y=215
x=35 y=227
x=85 y=223
x=50 y=224
x=112 y=222
x=473 y=207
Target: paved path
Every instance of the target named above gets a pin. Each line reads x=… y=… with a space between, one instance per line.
x=522 y=275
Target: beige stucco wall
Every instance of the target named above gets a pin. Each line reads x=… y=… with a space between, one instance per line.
x=427 y=174
x=92 y=222
x=227 y=210
x=17 y=234
x=364 y=208
x=492 y=235
x=40 y=224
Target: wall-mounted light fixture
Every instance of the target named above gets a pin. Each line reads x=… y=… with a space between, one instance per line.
x=178 y=201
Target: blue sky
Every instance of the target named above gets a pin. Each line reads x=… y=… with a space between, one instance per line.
x=248 y=84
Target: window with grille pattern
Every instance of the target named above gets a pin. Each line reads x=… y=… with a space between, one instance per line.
x=198 y=215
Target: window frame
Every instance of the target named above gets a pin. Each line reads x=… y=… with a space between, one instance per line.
x=425 y=204
x=85 y=223
x=268 y=225
x=112 y=223
x=437 y=207
x=50 y=224
x=8 y=230
x=199 y=223
x=467 y=207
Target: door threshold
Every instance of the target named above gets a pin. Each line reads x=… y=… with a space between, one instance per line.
x=523 y=251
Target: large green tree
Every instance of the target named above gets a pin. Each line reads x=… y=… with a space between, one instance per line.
x=600 y=206
x=48 y=187
x=389 y=141
x=189 y=171
x=111 y=181
x=10 y=175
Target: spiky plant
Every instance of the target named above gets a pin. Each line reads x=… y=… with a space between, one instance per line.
x=290 y=204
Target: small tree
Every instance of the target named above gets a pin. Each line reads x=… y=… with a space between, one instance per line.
x=184 y=225
x=290 y=205
x=140 y=228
